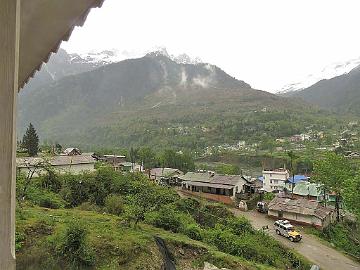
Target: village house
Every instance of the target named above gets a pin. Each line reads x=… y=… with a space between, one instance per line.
x=226 y=185
x=292 y=181
x=166 y=176
x=74 y=164
x=307 y=190
x=72 y=152
x=113 y=159
x=274 y=180
x=302 y=211
x=119 y=163
x=127 y=167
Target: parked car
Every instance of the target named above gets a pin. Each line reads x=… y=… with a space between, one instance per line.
x=262 y=207
x=284 y=228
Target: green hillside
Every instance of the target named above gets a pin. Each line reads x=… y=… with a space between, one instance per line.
x=108 y=220
x=158 y=102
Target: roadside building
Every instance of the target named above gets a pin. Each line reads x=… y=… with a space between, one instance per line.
x=74 y=164
x=302 y=211
x=307 y=190
x=119 y=163
x=226 y=185
x=72 y=151
x=274 y=180
x=127 y=167
x=113 y=159
x=166 y=176
x=294 y=180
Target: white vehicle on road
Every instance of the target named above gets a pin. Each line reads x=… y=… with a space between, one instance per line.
x=284 y=228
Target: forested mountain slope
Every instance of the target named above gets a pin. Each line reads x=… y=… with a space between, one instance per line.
x=156 y=101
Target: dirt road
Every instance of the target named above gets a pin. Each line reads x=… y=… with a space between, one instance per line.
x=310 y=247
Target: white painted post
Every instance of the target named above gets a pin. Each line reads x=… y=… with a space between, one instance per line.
x=9 y=65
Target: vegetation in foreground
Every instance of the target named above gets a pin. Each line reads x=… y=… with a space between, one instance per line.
x=105 y=220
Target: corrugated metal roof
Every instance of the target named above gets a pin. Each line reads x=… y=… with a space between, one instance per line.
x=165 y=172
x=304 y=188
x=298 y=178
x=216 y=179
x=55 y=161
x=192 y=176
x=201 y=184
x=300 y=206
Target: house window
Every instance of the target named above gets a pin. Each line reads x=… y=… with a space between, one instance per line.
x=270 y=181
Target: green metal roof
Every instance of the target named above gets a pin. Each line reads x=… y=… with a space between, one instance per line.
x=305 y=188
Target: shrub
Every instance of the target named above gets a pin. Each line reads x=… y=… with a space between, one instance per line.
x=87 y=206
x=187 y=205
x=238 y=225
x=166 y=218
x=50 y=200
x=51 y=181
x=268 y=196
x=209 y=215
x=73 y=247
x=75 y=189
x=45 y=198
x=114 y=204
x=193 y=231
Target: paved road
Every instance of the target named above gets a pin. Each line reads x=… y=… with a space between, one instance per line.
x=310 y=247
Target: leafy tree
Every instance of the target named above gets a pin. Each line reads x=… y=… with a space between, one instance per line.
x=332 y=172
x=147 y=157
x=181 y=161
x=352 y=195
x=145 y=198
x=31 y=141
x=58 y=148
x=229 y=169
x=292 y=158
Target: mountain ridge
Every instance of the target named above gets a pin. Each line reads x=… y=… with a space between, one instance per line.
x=340 y=94
x=156 y=101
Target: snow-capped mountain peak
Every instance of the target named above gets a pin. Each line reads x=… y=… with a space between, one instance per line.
x=328 y=72
x=114 y=55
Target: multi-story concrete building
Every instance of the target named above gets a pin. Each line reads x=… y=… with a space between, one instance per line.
x=275 y=179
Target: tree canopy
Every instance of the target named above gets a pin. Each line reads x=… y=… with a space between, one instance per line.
x=31 y=141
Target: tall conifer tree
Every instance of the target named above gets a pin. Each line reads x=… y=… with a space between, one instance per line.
x=31 y=141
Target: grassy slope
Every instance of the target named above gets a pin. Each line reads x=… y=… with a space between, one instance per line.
x=116 y=246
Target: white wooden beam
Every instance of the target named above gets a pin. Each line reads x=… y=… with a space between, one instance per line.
x=9 y=66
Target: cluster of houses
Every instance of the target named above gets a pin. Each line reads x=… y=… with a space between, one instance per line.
x=298 y=199
x=73 y=161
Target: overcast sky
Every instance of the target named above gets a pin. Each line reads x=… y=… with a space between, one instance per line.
x=267 y=43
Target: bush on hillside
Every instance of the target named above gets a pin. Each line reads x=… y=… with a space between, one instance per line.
x=238 y=225
x=210 y=214
x=75 y=189
x=187 y=205
x=166 y=218
x=51 y=200
x=255 y=246
x=51 y=181
x=193 y=231
x=114 y=204
x=73 y=247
